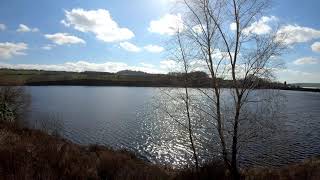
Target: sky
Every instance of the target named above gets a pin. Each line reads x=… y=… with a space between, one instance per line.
x=113 y=35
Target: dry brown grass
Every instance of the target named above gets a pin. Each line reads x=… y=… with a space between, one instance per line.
x=32 y=154
x=309 y=169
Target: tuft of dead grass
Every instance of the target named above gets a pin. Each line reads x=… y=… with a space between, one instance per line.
x=309 y=169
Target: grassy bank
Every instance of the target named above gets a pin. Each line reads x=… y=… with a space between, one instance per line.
x=31 y=154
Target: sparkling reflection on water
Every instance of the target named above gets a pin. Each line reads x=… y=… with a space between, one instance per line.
x=131 y=118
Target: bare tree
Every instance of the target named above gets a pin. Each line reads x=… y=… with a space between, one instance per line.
x=238 y=54
x=182 y=55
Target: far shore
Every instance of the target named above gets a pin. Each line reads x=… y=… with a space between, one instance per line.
x=136 y=84
x=197 y=79
x=143 y=84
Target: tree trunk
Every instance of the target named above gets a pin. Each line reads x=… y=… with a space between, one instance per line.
x=234 y=164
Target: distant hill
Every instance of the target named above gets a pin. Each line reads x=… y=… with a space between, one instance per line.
x=132 y=73
x=93 y=78
x=9 y=77
x=308 y=85
x=96 y=73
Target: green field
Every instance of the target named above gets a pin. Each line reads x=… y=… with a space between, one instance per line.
x=126 y=78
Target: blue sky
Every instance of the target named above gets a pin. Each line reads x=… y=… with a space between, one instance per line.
x=113 y=35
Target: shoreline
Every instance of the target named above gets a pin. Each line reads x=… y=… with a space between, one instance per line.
x=31 y=153
x=103 y=83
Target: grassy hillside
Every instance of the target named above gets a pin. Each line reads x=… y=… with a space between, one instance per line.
x=10 y=77
x=125 y=78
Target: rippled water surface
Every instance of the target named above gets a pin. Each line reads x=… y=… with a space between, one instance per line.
x=128 y=117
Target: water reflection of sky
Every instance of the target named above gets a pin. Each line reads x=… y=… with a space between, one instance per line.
x=130 y=118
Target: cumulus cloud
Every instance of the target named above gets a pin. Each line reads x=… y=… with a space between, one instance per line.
x=154 y=48
x=306 y=60
x=8 y=49
x=297 y=34
x=2 y=27
x=147 y=65
x=81 y=66
x=293 y=76
x=64 y=38
x=260 y=27
x=134 y=48
x=130 y=47
x=25 y=28
x=315 y=47
x=169 y=24
x=169 y=65
x=98 y=22
x=195 y=64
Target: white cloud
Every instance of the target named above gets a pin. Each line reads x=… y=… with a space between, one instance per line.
x=295 y=76
x=154 y=48
x=260 y=27
x=147 y=65
x=81 y=66
x=2 y=27
x=315 y=47
x=306 y=60
x=48 y=46
x=98 y=22
x=169 y=65
x=8 y=49
x=64 y=38
x=130 y=47
x=177 y=66
x=169 y=24
x=169 y=2
x=197 y=29
x=233 y=26
x=218 y=54
x=297 y=34
x=133 y=48
x=25 y=28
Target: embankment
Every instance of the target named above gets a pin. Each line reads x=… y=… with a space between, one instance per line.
x=32 y=154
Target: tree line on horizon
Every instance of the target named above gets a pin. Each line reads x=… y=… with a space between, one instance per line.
x=125 y=77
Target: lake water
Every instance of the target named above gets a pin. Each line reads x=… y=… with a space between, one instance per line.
x=126 y=117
